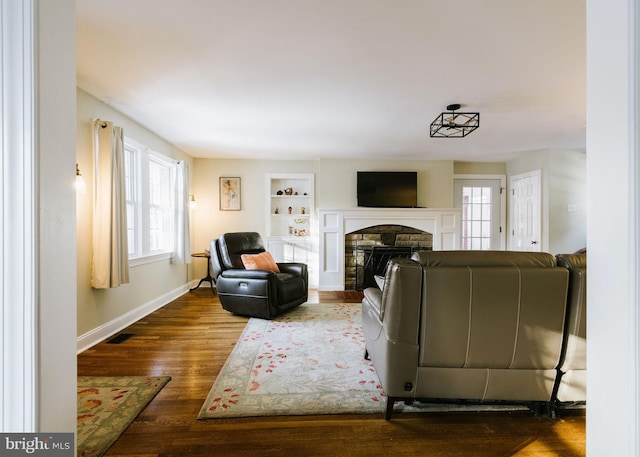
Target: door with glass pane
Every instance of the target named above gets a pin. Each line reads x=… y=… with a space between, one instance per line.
x=481 y=204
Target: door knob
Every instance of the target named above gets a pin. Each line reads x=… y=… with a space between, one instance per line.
x=534 y=242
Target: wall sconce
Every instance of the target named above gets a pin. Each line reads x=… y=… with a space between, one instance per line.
x=192 y=202
x=81 y=187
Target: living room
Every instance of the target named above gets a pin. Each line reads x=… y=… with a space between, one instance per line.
x=601 y=159
x=100 y=311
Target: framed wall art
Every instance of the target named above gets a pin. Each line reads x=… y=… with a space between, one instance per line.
x=229 y=193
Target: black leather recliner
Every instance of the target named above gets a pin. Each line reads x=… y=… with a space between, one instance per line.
x=256 y=293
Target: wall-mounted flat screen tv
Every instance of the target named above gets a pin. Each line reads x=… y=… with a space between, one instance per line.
x=388 y=189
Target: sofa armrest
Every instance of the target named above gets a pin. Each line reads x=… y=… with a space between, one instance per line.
x=397 y=305
x=373 y=298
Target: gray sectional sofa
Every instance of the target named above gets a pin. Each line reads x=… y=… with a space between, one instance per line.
x=486 y=326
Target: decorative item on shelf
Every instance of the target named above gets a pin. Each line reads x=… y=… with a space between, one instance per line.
x=300 y=232
x=288 y=191
x=279 y=192
x=295 y=193
x=454 y=125
x=290 y=209
x=299 y=221
x=302 y=210
x=305 y=194
x=277 y=211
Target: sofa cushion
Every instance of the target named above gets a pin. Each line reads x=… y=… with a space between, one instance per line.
x=261 y=261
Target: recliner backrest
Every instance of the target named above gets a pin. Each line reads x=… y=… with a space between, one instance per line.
x=233 y=245
x=216 y=262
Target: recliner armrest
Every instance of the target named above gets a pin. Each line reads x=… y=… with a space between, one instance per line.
x=298 y=269
x=248 y=274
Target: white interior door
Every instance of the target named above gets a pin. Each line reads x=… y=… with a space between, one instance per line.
x=525 y=214
x=481 y=201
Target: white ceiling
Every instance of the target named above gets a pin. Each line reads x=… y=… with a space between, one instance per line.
x=310 y=79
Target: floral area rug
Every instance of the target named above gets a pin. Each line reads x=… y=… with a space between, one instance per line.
x=108 y=405
x=308 y=361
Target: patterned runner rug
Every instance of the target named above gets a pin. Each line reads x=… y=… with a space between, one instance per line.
x=108 y=405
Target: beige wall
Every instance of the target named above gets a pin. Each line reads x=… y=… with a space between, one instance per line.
x=150 y=283
x=480 y=168
x=208 y=222
x=337 y=181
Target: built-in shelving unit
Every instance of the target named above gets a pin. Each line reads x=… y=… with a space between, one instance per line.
x=291 y=227
x=290 y=205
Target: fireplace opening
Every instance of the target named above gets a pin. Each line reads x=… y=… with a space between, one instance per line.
x=368 y=250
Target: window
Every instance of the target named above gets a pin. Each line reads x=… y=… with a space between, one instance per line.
x=150 y=186
x=131 y=171
x=160 y=205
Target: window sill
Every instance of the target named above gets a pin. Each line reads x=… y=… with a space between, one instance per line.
x=137 y=261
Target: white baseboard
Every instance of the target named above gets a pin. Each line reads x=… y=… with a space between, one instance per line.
x=98 y=334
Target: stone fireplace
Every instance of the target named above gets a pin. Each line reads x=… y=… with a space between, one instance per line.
x=333 y=224
x=367 y=250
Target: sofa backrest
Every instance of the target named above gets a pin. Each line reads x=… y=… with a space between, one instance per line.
x=491 y=309
x=483 y=258
x=575 y=356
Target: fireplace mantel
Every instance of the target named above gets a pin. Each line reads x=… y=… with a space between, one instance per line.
x=333 y=224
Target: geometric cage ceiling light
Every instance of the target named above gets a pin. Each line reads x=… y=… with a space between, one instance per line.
x=454 y=125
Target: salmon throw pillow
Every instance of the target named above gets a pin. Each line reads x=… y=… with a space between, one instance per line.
x=262 y=261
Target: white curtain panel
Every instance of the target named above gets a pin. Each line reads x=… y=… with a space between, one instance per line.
x=110 y=266
x=182 y=254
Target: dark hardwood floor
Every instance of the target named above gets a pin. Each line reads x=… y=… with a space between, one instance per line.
x=190 y=339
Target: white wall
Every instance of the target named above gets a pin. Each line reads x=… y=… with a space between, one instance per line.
x=567 y=186
x=101 y=312
x=37 y=290
x=613 y=227
x=563 y=175
x=55 y=65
